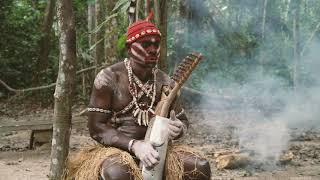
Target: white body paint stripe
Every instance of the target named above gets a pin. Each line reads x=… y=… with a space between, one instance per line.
x=137 y=55
x=139 y=46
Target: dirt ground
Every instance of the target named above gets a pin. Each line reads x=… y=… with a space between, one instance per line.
x=18 y=162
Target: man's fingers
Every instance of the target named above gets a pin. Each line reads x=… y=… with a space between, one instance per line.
x=147 y=162
x=156 y=155
x=172 y=135
x=174 y=132
x=174 y=129
x=172 y=115
x=153 y=155
x=175 y=123
x=153 y=160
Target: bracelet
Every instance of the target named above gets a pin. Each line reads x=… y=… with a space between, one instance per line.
x=99 y=110
x=130 y=144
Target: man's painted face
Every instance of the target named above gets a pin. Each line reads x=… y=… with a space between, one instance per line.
x=146 y=49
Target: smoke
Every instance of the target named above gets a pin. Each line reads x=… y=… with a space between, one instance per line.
x=267 y=140
x=259 y=102
x=264 y=110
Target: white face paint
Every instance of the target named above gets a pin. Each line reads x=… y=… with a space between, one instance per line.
x=138 y=51
x=146 y=49
x=102 y=79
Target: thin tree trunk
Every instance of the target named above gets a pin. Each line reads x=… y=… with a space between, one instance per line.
x=287 y=7
x=157 y=12
x=313 y=34
x=84 y=84
x=264 y=17
x=91 y=40
x=91 y=24
x=178 y=31
x=147 y=8
x=296 y=45
x=99 y=37
x=161 y=22
x=190 y=20
x=263 y=29
x=44 y=43
x=111 y=35
x=132 y=12
x=138 y=9
x=64 y=91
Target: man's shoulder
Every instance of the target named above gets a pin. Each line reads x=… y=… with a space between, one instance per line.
x=114 y=68
x=163 y=74
x=164 y=78
x=108 y=75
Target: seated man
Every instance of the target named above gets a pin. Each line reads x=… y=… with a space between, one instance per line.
x=123 y=101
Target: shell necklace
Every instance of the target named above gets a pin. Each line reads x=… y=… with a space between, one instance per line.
x=141 y=111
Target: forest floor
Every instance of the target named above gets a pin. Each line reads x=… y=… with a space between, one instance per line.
x=18 y=162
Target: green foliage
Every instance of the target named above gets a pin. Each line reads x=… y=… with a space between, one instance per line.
x=18 y=44
x=121 y=46
x=121 y=6
x=228 y=34
x=230 y=37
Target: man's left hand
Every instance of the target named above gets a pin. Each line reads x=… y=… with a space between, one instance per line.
x=175 y=126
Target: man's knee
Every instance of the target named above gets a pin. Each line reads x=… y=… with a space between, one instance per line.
x=204 y=167
x=198 y=169
x=113 y=169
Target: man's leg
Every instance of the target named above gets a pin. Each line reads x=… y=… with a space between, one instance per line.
x=113 y=169
x=195 y=167
x=186 y=163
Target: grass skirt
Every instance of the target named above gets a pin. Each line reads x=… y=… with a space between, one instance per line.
x=86 y=164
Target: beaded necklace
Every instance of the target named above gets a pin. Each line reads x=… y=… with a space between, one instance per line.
x=141 y=111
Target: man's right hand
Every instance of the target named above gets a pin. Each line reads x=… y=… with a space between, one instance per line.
x=146 y=153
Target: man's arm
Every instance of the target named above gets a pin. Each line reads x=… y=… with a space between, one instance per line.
x=100 y=114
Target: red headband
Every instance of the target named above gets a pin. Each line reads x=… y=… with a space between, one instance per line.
x=141 y=28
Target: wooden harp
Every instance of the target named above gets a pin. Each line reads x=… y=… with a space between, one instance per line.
x=157 y=131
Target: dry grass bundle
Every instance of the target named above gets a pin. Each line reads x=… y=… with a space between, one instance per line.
x=174 y=165
x=86 y=164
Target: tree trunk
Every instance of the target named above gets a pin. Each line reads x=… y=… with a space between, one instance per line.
x=178 y=32
x=161 y=21
x=132 y=10
x=99 y=37
x=91 y=25
x=147 y=8
x=157 y=11
x=263 y=29
x=111 y=36
x=138 y=5
x=296 y=44
x=286 y=9
x=64 y=91
x=263 y=25
x=44 y=43
x=91 y=40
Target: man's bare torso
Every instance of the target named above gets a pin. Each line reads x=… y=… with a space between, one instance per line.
x=116 y=77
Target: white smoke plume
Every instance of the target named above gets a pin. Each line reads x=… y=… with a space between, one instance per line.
x=263 y=108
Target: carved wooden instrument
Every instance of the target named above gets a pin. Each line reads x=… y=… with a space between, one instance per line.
x=157 y=132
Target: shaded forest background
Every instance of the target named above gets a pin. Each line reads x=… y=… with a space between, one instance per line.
x=239 y=39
